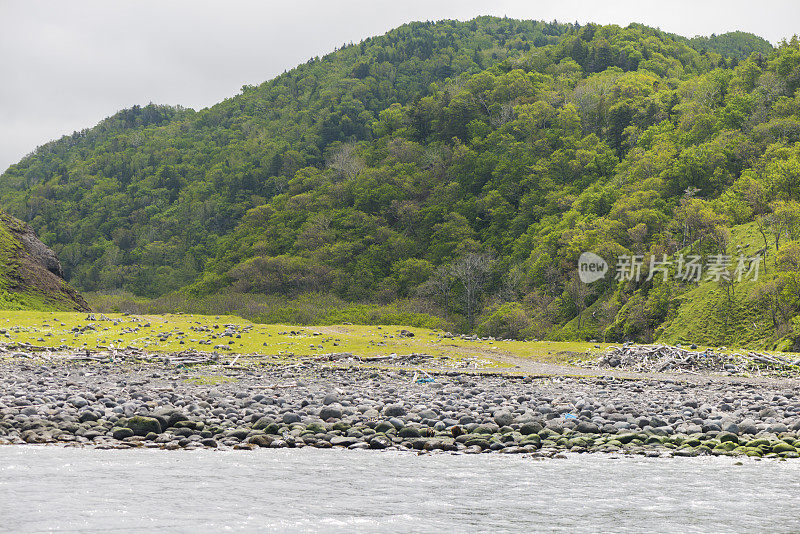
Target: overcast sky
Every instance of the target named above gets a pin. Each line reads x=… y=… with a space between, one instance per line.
x=66 y=65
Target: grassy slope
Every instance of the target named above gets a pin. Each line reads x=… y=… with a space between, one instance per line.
x=591 y=321
x=707 y=316
x=18 y=283
x=704 y=314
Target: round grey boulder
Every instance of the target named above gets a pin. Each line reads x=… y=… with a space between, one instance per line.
x=331 y=411
x=394 y=410
x=291 y=417
x=503 y=418
x=585 y=427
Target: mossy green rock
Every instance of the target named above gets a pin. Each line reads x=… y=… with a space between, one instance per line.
x=238 y=433
x=408 y=432
x=727 y=436
x=546 y=433
x=383 y=427
x=783 y=447
x=315 y=428
x=531 y=439
x=530 y=443
x=626 y=438
x=142 y=426
x=703 y=449
x=481 y=441
x=194 y=425
x=273 y=428
x=169 y=418
x=578 y=442
x=121 y=432
x=530 y=428
x=263 y=423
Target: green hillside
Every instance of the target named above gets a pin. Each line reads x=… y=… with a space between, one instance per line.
x=458 y=170
x=138 y=202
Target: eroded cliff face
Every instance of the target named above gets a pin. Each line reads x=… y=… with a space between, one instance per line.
x=30 y=273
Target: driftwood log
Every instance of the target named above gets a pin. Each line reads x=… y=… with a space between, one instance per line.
x=665 y=358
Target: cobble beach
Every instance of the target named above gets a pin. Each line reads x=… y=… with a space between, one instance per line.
x=277 y=406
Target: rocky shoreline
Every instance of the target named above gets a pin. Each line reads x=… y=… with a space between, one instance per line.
x=274 y=405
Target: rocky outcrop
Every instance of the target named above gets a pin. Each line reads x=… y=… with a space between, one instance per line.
x=30 y=273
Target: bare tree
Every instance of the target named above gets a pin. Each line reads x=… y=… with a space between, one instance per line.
x=578 y=291
x=505 y=114
x=472 y=271
x=439 y=286
x=512 y=284
x=763 y=225
x=346 y=161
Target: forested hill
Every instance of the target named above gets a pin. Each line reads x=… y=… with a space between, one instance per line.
x=459 y=168
x=138 y=202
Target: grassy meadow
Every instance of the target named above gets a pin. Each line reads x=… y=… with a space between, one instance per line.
x=177 y=332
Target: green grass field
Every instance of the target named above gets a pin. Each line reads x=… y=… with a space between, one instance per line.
x=172 y=333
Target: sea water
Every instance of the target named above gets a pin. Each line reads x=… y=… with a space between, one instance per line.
x=311 y=490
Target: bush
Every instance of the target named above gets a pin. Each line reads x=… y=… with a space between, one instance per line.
x=508 y=321
x=307 y=309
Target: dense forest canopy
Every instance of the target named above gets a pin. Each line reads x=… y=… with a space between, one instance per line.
x=462 y=166
x=733 y=44
x=139 y=201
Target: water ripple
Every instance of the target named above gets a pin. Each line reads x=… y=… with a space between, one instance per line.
x=77 y=490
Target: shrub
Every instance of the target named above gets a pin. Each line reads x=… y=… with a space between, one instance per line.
x=508 y=321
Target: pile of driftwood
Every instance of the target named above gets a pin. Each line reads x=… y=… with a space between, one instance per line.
x=337 y=357
x=776 y=362
x=26 y=347
x=191 y=357
x=416 y=359
x=400 y=360
x=131 y=355
x=110 y=355
x=403 y=359
x=392 y=359
x=664 y=358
